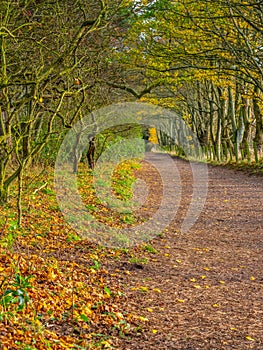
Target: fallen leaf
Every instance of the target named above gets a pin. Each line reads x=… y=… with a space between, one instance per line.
x=249 y=338
x=106 y=344
x=142 y=318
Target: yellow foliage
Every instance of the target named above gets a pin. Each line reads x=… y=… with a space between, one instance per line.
x=153 y=136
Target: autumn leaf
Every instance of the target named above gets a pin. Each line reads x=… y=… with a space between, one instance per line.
x=157 y=290
x=149 y=309
x=249 y=338
x=216 y=305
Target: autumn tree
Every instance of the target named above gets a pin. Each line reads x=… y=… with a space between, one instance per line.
x=207 y=56
x=52 y=59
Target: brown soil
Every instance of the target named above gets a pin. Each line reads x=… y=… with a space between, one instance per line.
x=204 y=288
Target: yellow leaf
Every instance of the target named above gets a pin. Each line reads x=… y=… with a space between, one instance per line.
x=233 y=329
x=154 y=331
x=144 y=289
x=249 y=338
x=94 y=256
x=216 y=305
x=203 y=277
x=221 y=282
x=106 y=344
x=51 y=275
x=127 y=272
x=197 y=286
x=192 y=279
x=157 y=290
x=119 y=315
x=87 y=310
x=207 y=268
x=141 y=318
x=252 y=278
x=180 y=300
x=178 y=260
x=166 y=254
x=175 y=266
x=207 y=287
x=149 y=309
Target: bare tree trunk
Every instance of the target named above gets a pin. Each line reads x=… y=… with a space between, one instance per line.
x=258 y=139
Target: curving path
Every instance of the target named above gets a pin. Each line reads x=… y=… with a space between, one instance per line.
x=204 y=288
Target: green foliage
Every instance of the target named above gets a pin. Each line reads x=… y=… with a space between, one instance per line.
x=138 y=260
x=96 y=265
x=15 y=296
x=149 y=248
x=115 y=137
x=107 y=291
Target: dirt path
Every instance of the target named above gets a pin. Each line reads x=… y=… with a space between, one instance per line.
x=203 y=289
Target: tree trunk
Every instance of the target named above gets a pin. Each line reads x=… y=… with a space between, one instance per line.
x=258 y=139
x=3 y=193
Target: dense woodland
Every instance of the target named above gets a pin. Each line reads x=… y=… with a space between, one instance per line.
x=64 y=282
x=61 y=60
